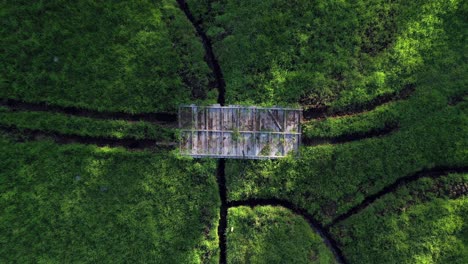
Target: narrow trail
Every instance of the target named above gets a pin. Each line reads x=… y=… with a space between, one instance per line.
x=316 y=141
x=131 y=144
x=159 y=118
x=388 y=129
x=426 y=173
x=221 y=86
x=314 y=224
x=209 y=54
x=223 y=211
x=324 y=112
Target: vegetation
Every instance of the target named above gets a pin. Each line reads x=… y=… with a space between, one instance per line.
x=416 y=224
x=327 y=180
x=270 y=234
x=79 y=203
x=122 y=56
x=336 y=53
x=83 y=126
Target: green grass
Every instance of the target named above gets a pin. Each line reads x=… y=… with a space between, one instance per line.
x=268 y=234
x=156 y=207
x=335 y=53
x=145 y=56
x=83 y=126
x=416 y=224
x=132 y=56
x=327 y=180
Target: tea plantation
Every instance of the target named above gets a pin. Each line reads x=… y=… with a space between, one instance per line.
x=90 y=170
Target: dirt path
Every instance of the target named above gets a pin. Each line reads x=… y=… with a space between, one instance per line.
x=316 y=141
x=427 y=173
x=324 y=112
x=159 y=118
x=221 y=86
x=209 y=54
x=132 y=144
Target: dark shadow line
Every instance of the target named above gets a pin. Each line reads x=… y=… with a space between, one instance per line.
x=325 y=111
x=425 y=173
x=131 y=144
x=314 y=224
x=456 y=99
x=209 y=54
x=315 y=141
x=221 y=86
x=388 y=129
x=18 y=105
x=221 y=180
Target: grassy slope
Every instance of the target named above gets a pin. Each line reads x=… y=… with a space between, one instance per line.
x=269 y=234
x=156 y=208
x=417 y=224
x=122 y=56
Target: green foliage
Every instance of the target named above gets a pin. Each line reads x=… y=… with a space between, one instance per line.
x=272 y=235
x=83 y=126
x=74 y=203
x=327 y=180
x=336 y=53
x=122 y=56
x=79 y=203
x=417 y=224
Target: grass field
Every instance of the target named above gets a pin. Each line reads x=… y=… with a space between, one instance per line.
x=137 y=56
x=63 y=204
x=420 y=223
x=87 y=88
x=272 y=235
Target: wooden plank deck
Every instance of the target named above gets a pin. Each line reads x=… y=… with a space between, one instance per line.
x=239 y=132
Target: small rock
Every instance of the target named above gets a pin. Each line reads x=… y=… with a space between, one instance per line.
x=103 y=189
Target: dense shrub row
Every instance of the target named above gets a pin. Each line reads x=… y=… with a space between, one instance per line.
x=73 y=203
x=83 y=126
x=416 y=224
x=132 y=56
x=269 y=234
